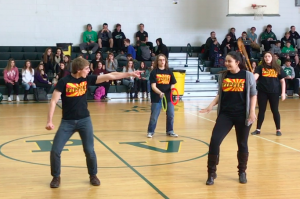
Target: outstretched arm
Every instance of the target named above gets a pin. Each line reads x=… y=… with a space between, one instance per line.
x=116 y=76
x=211 y=105
x=55 y=97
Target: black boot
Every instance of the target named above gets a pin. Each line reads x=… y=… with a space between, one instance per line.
x=36 y=95
x=131 y=95
x=212 y=162
x=243 y=159
x=25 y=95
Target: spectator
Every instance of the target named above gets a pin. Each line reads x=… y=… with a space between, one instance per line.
x=254 y=65
x=105 y=38
x=215 y=53
x=57 y=59
x=94 y=62
x=130 y=50
x=233 y=37
x=142 y=83
x=295 y=36
x=247 y=47
x=68 y=63
x=11 y=78
x=208 y=44
x=89 y=41
x=276 y=58
x=287 y=49
x=161 y=49
x=41 y=79
x=111 y=63
x=276 y=48
x=142 y=36
x=64 y=71
x=227 y=45
x=48 y=62
x=130 y=82
x=118 y=38
x=253 y=38
x=290 y=78
x=143 y=52
x=28 y=80
x=268 y=38
x=287 y=37
x=100 y=70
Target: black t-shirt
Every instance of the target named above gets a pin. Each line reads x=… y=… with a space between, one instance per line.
x=142 y=36
x=163 y=79
x=268 y=80
x=234 y=94
x=73 y=97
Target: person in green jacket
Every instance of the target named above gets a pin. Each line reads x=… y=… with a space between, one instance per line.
x=142 y=83
x=90 y=39
x=268 y=37
x=289 y=48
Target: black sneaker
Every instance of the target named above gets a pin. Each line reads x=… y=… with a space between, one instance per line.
x=278 y=133
x=256 y=132
x=55 y=182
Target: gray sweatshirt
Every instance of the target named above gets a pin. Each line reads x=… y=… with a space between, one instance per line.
x=112 y=66
x=275 y=49
x=250 y=87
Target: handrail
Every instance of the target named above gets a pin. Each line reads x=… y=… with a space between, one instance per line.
x=200 y=62
x=189 y=52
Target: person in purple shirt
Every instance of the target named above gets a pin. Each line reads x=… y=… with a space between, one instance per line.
x=41 y=79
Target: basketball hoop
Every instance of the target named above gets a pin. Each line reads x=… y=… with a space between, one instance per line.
x=258 y=11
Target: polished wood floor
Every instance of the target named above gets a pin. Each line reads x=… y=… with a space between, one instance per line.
x=133 y=166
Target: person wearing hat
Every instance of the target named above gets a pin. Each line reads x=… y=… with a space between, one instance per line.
x=89 y=41
x=105 y=38
x=268 y=37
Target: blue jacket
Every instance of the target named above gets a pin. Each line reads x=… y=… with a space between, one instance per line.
x=130 y=50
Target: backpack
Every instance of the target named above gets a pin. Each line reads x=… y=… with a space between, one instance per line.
x=41 y=94
x=99 y=93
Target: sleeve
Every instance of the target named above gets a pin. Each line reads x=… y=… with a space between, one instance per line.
x=32 y=76
x=282 y=43
x=95 y=37
x=173 y=79
x=124 y=69
x=293 y=72
x=147 y=74
x=99 y=35
x=5 y=76
x=152 y=77
x=115 y=64
x=258 y=70
x=146 y=34
x=283 y=50
x=109 y=35
x=220 y=83
x=275 y=38
x=282 y=74
x=272 y=50
x=60 y=86
x=263 y=36
x=91 y=80
x=137 y=34
x=84 y=38
x=252 y=85
x=255 y=36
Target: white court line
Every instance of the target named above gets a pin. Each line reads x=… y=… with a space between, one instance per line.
x=253 y=135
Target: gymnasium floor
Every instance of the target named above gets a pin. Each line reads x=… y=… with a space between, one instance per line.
x=133 y=166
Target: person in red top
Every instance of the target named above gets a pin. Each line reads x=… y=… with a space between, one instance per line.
x=11 y=78
x=100 y=70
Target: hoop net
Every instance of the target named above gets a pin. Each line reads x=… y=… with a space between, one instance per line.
x=258 y=11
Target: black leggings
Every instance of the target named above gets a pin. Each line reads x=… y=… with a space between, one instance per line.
x=222 y=127
x=294 y=83
x=47 y=87
x=262 y=99
x=142 y=85
x=11 y=87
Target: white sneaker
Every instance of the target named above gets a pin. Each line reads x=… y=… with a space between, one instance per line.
x=91 y=52
x=84 y=51
x=172 y=134
x=149 y=135
x=295 y=95
x=9 y=99
x=17 y=98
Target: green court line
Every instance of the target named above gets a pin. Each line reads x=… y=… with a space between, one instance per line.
x=133 y=169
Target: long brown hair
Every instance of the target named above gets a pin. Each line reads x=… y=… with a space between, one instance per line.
x=8 y=66
x=127 y=66
x=108 y=60
x=30 y=67
x=45 y=56
x=156 y=62
x=274 y=64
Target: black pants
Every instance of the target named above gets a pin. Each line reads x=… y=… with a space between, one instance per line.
x=142 y=85
x=222 y=127
x=262 y=99
x=11 y=87
x=294 y=83
x=47 y=87
x=106 y=86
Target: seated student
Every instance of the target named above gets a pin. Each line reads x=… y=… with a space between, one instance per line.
x=142 y=36
x=41 y=79
x=143 y=52
x=28 y=80
x=68 y=63
x=245 y=37
x=142 y=83
x=268 y=37
x=290 y=78
x=130 y=82
x=64 y=71
x=89 y=41
x=105 y=38
x=11 y=78
x=94 y=62
x=208 y=43
x=276 y=48
x=100 y=70
x=233 y=37
x=288 y=48
x=48 y=61
x=227 y=45
x=254 y=65
x=287 y=37
x=111 y=63
x=161 y=49
x=130 y=50
x=295 y=36
x=215 y=53
x=276 y=58
x=297 y=72
x=253 y=38
x=118 y=38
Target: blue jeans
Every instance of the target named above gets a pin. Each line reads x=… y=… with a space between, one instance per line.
x=148 y=86
x=155 y=111
x=66 y=129
x=27 y=86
